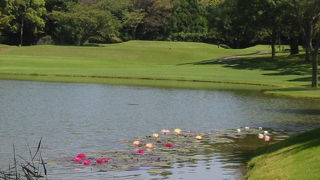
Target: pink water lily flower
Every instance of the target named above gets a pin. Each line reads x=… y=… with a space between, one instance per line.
x=165 y=131
x=81 y=156
x=267 y=138
x=169 y=145
x=99 y=161
x=140 y=151
x=79 y=160
x=106 y=160
x=87 y=163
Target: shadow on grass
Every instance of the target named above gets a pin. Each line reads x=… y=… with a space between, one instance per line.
x=84 y=45
x=299 y=143
x=315 y=112
x=289 y=65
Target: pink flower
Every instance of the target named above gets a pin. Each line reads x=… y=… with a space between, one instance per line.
x=106 y=160
x=99 y=161
x=136 y=143
x=77 y=160
x=169 y=145
x=165 y=131
x=267 y=138
x=87 y=163
x=81 y=156
x=140 y=151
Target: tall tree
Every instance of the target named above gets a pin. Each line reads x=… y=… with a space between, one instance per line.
x=27 y=16
x=308 y=13
x=155 y=23
x=81 y=23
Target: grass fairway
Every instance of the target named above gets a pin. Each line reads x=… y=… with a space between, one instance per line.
x=161 y=64
x=295 y=159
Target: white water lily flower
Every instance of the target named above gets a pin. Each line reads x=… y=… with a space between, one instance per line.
x=261 y=136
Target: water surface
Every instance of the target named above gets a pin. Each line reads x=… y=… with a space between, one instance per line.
x=75 y=118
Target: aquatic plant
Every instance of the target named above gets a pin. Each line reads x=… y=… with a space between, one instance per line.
x=155 y=151
x=22 y=168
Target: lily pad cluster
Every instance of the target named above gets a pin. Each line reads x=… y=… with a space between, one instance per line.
x=161 y=150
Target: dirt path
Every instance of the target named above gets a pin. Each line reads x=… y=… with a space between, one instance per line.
x=224 y=58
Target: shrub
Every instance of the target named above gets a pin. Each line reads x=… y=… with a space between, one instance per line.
x=46 y=40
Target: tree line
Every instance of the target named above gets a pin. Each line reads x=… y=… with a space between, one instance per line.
x=231 y=23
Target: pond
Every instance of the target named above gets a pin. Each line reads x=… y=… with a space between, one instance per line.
x=78 y=118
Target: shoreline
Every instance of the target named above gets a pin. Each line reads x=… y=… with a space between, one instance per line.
x=265 y=89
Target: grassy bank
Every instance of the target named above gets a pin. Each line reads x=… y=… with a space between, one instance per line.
x=295 y=158
x=161 y=64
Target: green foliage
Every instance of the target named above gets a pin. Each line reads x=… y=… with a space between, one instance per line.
x=4 y=20
x=23 y=16
x=189 y=17
x=59 y=5
x=81 y=23
x=155 y=22
x=46 y=40
x=30 y=11
x=191 y=37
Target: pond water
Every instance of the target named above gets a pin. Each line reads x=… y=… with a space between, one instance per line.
x=74 y=118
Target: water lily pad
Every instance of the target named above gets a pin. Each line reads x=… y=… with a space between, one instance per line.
x=185 y=149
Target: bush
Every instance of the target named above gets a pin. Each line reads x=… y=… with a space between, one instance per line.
x=224 y=46
x=192 y=37
x=46 y=40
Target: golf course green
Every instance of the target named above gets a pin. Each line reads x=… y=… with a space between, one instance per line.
x=161 y=64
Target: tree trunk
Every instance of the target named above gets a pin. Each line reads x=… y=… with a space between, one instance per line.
x=315 y=64
x=309 y=45
x=21 y=31
x=294 y=46
x=273 y=44
x=307 y=56
x=273 y=50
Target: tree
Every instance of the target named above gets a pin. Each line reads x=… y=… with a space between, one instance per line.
x=189 y=17
x=81 y=23
x=308 y=13
x=237 y=22
x=155 y=23
x=132 y=19
x=272 y=20
x=125 y=12
x=59 y=5
x=27 y=15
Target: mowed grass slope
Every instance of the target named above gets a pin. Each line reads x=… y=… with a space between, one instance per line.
x=151 y=63
x=293 y=159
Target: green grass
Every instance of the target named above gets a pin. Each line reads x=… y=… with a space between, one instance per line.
x=161 y=64
x=294 y=159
